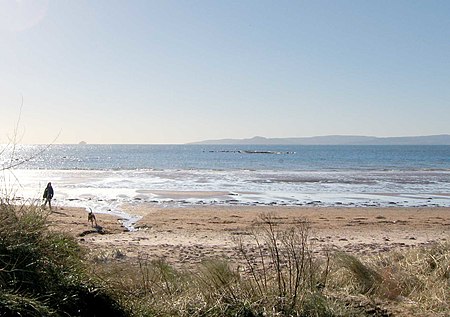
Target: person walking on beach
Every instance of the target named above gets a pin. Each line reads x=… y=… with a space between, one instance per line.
x=48 y=195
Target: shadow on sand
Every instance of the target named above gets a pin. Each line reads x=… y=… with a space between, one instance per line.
x=95 y=229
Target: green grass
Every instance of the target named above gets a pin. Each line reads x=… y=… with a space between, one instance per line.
x=42 y=273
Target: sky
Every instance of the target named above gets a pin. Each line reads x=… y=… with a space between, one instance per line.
x=170 y=72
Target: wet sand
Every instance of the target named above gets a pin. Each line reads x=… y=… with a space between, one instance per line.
x=186 y=236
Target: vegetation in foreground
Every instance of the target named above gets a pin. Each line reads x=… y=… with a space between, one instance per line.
x=44 y=273
x=287 y=278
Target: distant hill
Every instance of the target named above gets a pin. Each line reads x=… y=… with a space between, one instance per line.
x=442 y=139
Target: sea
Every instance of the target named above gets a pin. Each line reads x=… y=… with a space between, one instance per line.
x=105 y=177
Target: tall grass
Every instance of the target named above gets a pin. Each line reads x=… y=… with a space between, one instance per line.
x=279 y=274
x=281 y=277
x=417 y=279
x=42 y=273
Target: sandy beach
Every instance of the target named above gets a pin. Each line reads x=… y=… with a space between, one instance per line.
x=186 y=236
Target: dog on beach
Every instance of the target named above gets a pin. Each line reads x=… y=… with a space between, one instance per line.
x=91 y=218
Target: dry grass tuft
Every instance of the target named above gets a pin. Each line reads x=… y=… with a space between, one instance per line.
x=417 y=279
x=284 y=279
x=279 y=274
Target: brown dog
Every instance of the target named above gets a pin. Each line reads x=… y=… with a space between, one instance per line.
x=91 y=218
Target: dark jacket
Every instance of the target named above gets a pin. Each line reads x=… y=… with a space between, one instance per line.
x=48 y=192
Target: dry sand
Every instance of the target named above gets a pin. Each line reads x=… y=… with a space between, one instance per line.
x=186 y=236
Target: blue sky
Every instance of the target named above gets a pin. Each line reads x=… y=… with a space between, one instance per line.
x=181 y=71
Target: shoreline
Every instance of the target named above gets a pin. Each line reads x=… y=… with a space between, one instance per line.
x=186 y=236
x=179 y=199
x=106 y=190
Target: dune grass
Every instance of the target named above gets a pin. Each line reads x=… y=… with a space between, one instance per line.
x=417 y=279
x=283 y=276
x=46 y=273
x=43 y=273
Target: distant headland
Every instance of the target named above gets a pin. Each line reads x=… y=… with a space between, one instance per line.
x=441 y=139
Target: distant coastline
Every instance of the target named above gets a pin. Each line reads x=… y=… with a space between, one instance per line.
x=441 y=139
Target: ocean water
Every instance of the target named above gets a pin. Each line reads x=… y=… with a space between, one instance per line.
x=104 y=177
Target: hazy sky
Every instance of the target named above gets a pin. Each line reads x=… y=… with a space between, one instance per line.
x=108 y=71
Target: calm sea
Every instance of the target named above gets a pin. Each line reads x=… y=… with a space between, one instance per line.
x=233 y=157
x=105 y=176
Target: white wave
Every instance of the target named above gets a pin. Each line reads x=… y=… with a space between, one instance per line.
x=106 y=190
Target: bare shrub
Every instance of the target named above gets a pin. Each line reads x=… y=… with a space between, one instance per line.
x=283 y=269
